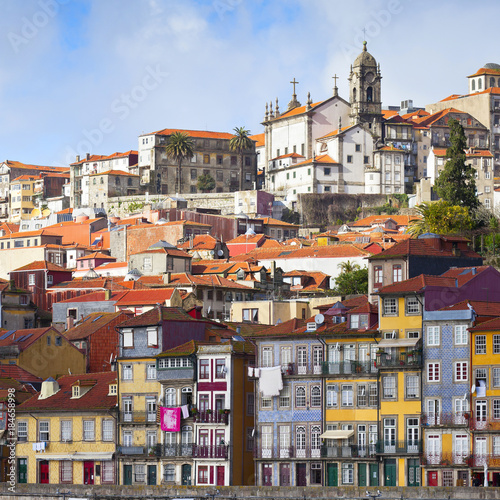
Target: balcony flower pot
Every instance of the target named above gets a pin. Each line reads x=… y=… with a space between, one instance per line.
x=209 y=412
x=227 y=412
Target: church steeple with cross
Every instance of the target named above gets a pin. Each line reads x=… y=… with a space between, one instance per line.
x=294 y=103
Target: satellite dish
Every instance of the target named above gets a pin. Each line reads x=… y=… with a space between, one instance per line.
x=473 y=389
x=220 y=253
x=319 y=319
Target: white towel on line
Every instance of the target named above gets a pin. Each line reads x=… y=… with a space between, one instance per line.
x=270 y=381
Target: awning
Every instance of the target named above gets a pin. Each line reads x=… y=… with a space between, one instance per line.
x=397 y=343
x=337 y=434
x=76 y=456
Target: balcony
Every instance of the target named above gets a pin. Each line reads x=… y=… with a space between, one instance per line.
x=389 y=447
x=350 y=451
x=177 y=450
x=211 y=417
x=441 y=459
x=348 y=368
x=399 y=358
x=483 y=423
x=130 y=450
x=137 y=417
x=210 y=451
x=298 y=369
x=288 y=452
x=445 y=419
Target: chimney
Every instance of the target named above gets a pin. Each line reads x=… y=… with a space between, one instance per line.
x=70 y=321
x=77 y=158
x=12 y=286
x=166 y=278
x=107 y=294
x=49 y=388
x=87 y=156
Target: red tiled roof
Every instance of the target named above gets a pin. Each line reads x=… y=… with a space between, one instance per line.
x=18 y=373
x=388 y=113
x=400 y=220
x=97 y=398
x=40 y=265
x=417 y=284
x=96 y=255
x=282 y=329
x=391 y=148
x=95 y=297
x=210 y=280
x=33 y=333
x=156 y=315
x=269 y=221
x=260 y=139
x=115 y=172
x=337 y=131
x=200 y=242
x=464 y=274
x=27 y=234
x=174 y=252
x=297 y=111
x=145 y=297
x=203 y=134
x=486 y=71
x=42 y=168
x=289 y=155
x=111 y=265
x=489 y=325
x=482 y=308
x=246 y=238
x=91 y=323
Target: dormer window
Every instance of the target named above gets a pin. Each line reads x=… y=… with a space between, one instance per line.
x=75 y=392
x=113 y=390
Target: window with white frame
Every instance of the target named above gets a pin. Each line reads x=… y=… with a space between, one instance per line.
x=151 y=371
x=152 y=336
x=433 y=336
x=66 y=471
x=170 y=397
x=347 y=473
x=372 y=395
x=169 y=473
x=267 y=357
x=389 y=387
x=480 y=344
x=461 y=445
x=412 y=386
x=107 y=471
x=88 y=430
x=496 y=344
x=22 y=430
x=412 y=305
x=315 y=440
x=300 y=440
x=362 y=398
x=285 y=397
x=139 y=473
x=300 y=397
x=128 y=338
x=390 y=306
x=496 y=446
x=331 y=396
x=107 y=429
x=496 y=409
x=496 y=377
x=66 y=430
x=266 y=440
x=460 y=334
x=43 y=430
x=461 y=371
x=433 y=372
x=128 y=438
x=286 y=355
x=127 y=373
x=347 y=395
x=266 y=403
x=315 y=396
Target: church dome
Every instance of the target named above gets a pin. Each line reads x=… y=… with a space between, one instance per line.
x=491 y=66
x=365 y=58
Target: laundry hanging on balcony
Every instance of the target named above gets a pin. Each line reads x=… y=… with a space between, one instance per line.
x=170 y=419
x=185 y=411
x=270 y=381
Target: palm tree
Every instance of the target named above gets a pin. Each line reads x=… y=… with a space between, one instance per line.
x=180 y=147
x=239 y=143
x=348 y=267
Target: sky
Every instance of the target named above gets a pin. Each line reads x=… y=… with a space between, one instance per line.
x=90 y=76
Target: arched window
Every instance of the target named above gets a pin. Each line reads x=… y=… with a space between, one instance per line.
x=315 y=439
x=94 y=181
x=354 y=95
x=300 y=397
x=369 y=94
x=492 y=82
x=316 y=396
x=117 y=181
x=170 y=397
x=186 y=435
x=102 y=180
x=473 y=85
x=186 y=396
x=129 y=181
x=300 y=441
x=479 y=84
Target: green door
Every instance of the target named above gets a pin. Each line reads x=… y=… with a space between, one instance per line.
x=22 y=470
x=390 y=472
x=333 y=474
x=413 y=472
x=374 y=475
x=362 y=475
x=127 y=474
x=151 y=475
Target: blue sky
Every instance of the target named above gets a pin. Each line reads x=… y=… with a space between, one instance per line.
x=81 y=76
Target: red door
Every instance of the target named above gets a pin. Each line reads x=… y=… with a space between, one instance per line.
x=267 y=475
x=220 y=475
x=44 y=471
x=432 y=478
x=88 y=472
x=284 y=474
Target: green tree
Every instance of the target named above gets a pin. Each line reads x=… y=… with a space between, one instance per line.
x=206 y=183
x=180 y=147
x=239 y=143
x=348 y=267
x=352 y=282
x=456 y=182
x=441 y=217
x=290 y=216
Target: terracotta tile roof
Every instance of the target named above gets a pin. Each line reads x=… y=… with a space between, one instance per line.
x=91 y=158
x=260 y=139
x=156 y=315
x=145 y=297
x=486 y=71
x=200 y=242
x=297 y=111
x=485 y=326
x=323 y=159
x=451 y=97
x=417 y=284
x=280 y=330
x=203 y=134
x=416 y=114
x=439 y=152
x=432 y=119
x=400 y=220
x=481 y=308
x=115 y=172
x=391 y=148
x=243 y=238
x=24 y=338
x=367 y=307
x=464 y=274
x=17 y=373
x=104 y=283
x=96 y=255
x=246 y=329
x=41 y=265
x=211 y=267
x=94 y=297
x=111 y=265
x=479 y=153
x=91 y=323
x=388 y=113
x=94 y=158
x=42 y=168
x=185 y=349
x=269 y=221
x=337 y=131
x=28 y=234
x=209 y=280
x=97 y=398
x=26 y=178
x=270 y=243
x=289 y=155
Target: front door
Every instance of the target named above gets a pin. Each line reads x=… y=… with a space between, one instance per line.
x=151 y=474
x=374 y=475
x=267 y=475
x=362 y=475
x=332 y=472
x=88 y=472
x=390 y=472
x=463 y=477
x=413 y=472
x=44 y=472
x=127 y=474
x=432 y=478
x=220 y=475
x=284 y=474
x=301 y=475
x=22 y=470
x=186 y=475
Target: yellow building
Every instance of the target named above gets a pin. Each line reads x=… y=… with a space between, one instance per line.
x=21 y=197
x=66 y=432
x=485 y=403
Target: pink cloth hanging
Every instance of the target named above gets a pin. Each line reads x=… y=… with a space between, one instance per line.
x=170 y=419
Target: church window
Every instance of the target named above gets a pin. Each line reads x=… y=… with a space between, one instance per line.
x=294 y=175
x=479 y=84
x=248 y=161
x=278 y=152
x=349 y=158
x=473 y=85
x=287 y=176
x=302 y=149
x=358 y=148
x=366 y=159
x=354 y=95
x=492 y=82
x=327 y=170
x=369 y=94
x=294 y=148
x=327 y=189
x=286 y=150
x=308 y=171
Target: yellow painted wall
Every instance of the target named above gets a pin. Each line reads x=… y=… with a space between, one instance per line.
x=401 y=322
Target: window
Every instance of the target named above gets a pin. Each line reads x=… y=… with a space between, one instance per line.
x=358 y=148
x=347 y=473
x=169 y=472
x=315 y=473
x=204 y=369
x=285 y=396
x=127 y=373
x=31 y=279
x=390 y=306
x=66 y=471
x=461 y=371
x=151 y=371
x=251 y=315
x=366 y=159
x=58 y=340
x=433 y=335
x=347 y=395
x=480 y=344
x=300 y=397
x=389 y=387
x=22 y=430
x=153 y=337
x=433 y=374
x=267 y=357
x=128 y=338
x=220 y=368
x=362 y=396
x=316 y=396
x=139 y=473
x=496 y=377
x=43 y=434
x=461 y=334
x=349 y=158
x=331 y=396
x=496 y=409
x=496 y=344
x=327 y=170
x=170 y=397
x=266 y=403
x=373 y=395
x=50 y=279
x=397 y=273
x=66 y=430
x=250 y=404
x=378 y=280
x=88 y=430
x=412 y=305
x=107 y=429
x=412 y=386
